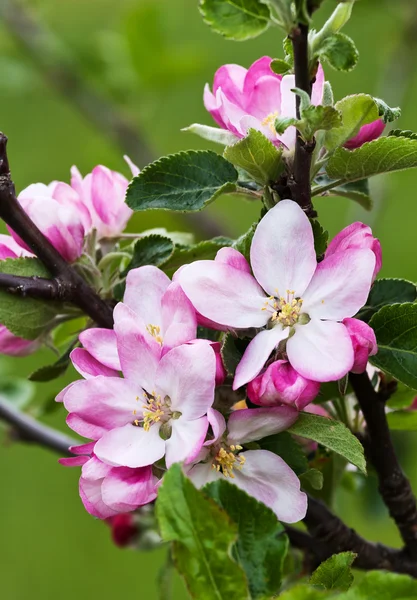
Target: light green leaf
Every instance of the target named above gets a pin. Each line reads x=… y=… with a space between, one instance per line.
x=385 y=292
x=186 y=181
x=236 y=19
x=356 y=110
x=383 y=155
x=340 y=52
x=356 y=190
x=202 y=536
x=212 y=134
x=403 y=420
x=335 y=573
x=380 y=585
x=26 y=317
x=243 y=243
x=304 y=592
x=257 y=156
x=313 y=478
x=183 y=255
x=261 y=545
x=281 y=13
x=285 y=446
x=395 y=328
x=334 y=435
x=403 y=397
x=280 y=67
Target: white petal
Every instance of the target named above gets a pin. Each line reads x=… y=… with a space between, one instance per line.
x=253 y=424
x=131 y=446
x=186 y=440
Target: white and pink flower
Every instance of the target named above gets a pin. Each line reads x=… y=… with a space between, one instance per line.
x=363 y=341
x=289 y=298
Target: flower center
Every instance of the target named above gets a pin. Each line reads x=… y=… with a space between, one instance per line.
x=269 y=121
x=286 y=311
x=155 y=330
x=157 y=410
x=226 y=460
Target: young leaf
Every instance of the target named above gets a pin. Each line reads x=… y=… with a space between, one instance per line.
x=395 y=328
x=186 y=181
x=381 y=585
x=340 y=52
x=257 y=156
x=243 y=243
x=212 y=134
x=236 y=19
x=334 y=435
x=403 y=420
x=55 y=370
x=205 y=250
x=202 y=536
x=280 y=67
x=285 y=446
x=335 y=573
x=356 y=110
x=151 y=250
x=385 y=292
x=383 y=155
x=26 y=317
x=387 y=113
x=313 y=478
x=262 y=545
x=321 y=237
x=356 y=190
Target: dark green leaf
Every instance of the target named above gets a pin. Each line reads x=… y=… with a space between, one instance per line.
x=335 y=573
x=236 y=19
x=403 y=420
x=356 y=111
x=243 y=243
x=151 y=250
x=387 y=113
x=395 y=328
x=383 y=155
x=186 y=181
x=334 y=435
x=202 y=536
x=407 y=133
x=321 y=237
x=205 y=250
x=261 y=545
x=231 y=353
x=257 y=156
x=56 y=369
x=26 y=317
x=342 y=385
x=285 y=446
x=385 y=292
x=340 y=52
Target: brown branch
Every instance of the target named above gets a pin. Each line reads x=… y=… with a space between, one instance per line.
x=82 y=295
x=394 y=486
x=36 y=287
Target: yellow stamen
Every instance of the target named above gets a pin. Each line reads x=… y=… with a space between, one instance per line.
x=155 y=330
x=269 y=121
x=226 y=462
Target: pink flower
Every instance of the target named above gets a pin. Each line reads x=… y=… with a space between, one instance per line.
x=103 y=193
x=260 y=473
x=355 y=237
x=281 y=384
x=364 y=343
x=253 y=98
x=305 y=301
x=158 y=409
x=59 y=214
x=366 y=133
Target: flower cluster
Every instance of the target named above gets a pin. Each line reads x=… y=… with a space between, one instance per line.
x=148 y=397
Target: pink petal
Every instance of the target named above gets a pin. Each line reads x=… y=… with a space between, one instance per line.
x=145 y=287
x=73 y=461
x=366 y=133
x=133 y=168
x=203 y=473
x=340 y=285
x=131 y=446
x=186 y=440
x=223 y=294
x=321 y=350
x=179 y=321
x=212 y=104
x=88 y=366
x=251 y=424
x=318 y=86
x=83 y=427
x=187 y=375
x=363 y=341
x=260 y=68
x=125 y=489
x=230 y=113
x=257 y=353
x=282 y=252
x=83 y=448
x=233 y=258
x=9 y=248
x=90 y=490
x=102 y=345
x=11 y=345
x=230 y=78
x=249 y=122
x=265 y=97
x=288 y=98
x=108 y=190
x=217 y=423
x=266 y=477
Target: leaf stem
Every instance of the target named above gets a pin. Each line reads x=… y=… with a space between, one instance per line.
x=324 y=188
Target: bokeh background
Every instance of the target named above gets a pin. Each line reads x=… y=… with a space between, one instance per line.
x=71 y=71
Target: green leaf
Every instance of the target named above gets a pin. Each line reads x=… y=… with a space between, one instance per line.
x=236 y=19
x=186 y=181
x=407 y=133
x=281 y=13
x=402 y=398
x=280 y=67
x=231 y=353
x=243 y=243
x=313 y=478
x=383 y=155
x=261 y=545
x=334 y=435
x=54 y=370
x=380 y=585
x=340 y=52
x=356 y=110
x=385 y=292
x=205 y=250
x=202 y=536
x=257 y=156
x=395 y=328
x=151 y=250
x=335 y=573
x=304 y=592
x=356 y=190
x=403 y=420
x=387 y=113
x=28 y=318
x=212 y=134
x=321 y=237
x=285 y=446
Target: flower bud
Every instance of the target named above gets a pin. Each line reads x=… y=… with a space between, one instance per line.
x=366 y=133
x=356 y=236
x=363 y=341
x=281 y=384
x=220 y=370
x=124 y=530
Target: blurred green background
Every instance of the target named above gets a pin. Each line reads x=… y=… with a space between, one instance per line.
x=149 y=59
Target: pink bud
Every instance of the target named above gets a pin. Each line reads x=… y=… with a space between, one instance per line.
x=123 y=529
x=220 y=370
x=366 y=133
x=356 y=236
x=281 y=384
x=363 y=341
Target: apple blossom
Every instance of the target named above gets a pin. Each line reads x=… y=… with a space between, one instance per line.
x=364 y=343
x=281 y=384
x=253 y=98
x=260 y=473
x=289 y=299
